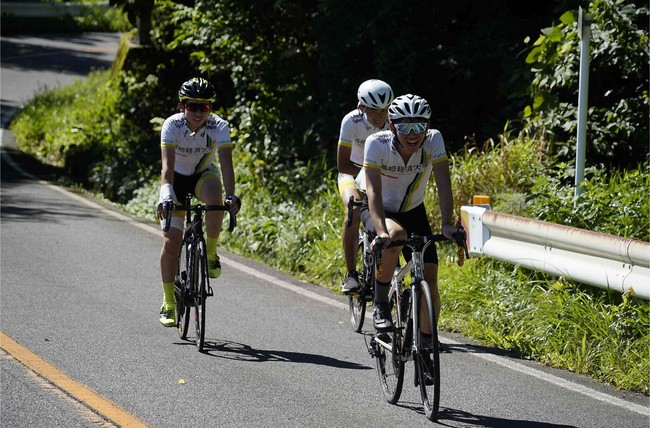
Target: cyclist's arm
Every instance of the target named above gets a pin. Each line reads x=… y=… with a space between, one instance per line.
x=443 y=182
x=228 y=173
x=376 y=203
x=168 y=157
x=343 y=162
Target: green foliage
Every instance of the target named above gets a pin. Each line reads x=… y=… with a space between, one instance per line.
x=615 y=203
x=500 y=170
x=94 y=17
x=584 y=330
x=617 y=128
x=106 y=145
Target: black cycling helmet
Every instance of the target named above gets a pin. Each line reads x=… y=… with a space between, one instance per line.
x=197 y=88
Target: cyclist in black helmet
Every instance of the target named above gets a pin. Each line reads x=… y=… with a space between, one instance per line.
x=191 y=141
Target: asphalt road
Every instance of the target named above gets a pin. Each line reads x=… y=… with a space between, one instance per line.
x=80 y=293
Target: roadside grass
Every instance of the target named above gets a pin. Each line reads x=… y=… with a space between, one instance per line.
x=557 y=322
x=94 y=17
x=295 y=225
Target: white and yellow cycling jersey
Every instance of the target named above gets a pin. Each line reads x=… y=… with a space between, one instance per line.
x=403 y=184
x=195 y=151
x=354 y=131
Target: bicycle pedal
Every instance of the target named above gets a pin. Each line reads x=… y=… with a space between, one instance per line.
x=209 y=292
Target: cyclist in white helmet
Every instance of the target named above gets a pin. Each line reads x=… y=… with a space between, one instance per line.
x=396 y=169
x=371 y=115
x=191 y=141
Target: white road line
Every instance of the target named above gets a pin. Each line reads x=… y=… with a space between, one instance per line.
x=563 y=383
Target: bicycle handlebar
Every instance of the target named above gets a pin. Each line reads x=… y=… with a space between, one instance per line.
x=418 y=241
x=170 y=206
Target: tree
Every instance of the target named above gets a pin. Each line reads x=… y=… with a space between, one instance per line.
x=139 y=14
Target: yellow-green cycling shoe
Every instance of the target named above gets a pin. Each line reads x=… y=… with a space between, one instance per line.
x=168 y=315
x=214 y=267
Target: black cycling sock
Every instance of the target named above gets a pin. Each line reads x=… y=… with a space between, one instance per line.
x=381 y=292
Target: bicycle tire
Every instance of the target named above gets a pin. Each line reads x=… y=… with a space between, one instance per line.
x=357 y=302
x=390 y=363
x=428 y=359
x=180 y=293
x=200 y=294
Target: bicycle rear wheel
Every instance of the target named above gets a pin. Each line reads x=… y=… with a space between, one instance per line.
x=180 y=293
x=428 y=357
x=390 y=364
x=200 y=294
x=357 y=302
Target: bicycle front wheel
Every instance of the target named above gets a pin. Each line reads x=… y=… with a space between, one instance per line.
x=389 y=346
x=428 y=357
x=357 y=302
x=200 y=294
x=181 y=288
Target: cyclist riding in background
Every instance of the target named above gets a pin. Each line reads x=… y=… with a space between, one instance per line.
x=396 y=170
x=189 y=141
x=371 y=115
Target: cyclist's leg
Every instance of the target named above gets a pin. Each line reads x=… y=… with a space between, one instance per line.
x=390 y=257
x=168 y=267
x=431 y=277
x=416 y=221
x=350 y=234
x=208 y=190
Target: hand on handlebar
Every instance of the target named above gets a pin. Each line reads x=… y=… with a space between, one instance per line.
x=233 y=203
x=449 y=232
x=163 y=208
x=380 y=241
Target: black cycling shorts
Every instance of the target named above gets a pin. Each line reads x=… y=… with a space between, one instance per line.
x=413 y=221
x=184 y=184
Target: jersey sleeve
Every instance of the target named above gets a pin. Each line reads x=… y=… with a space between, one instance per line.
x=373 y=153
x=223 y=135
x=346 y=135
x=167 y=136
x=438 y=153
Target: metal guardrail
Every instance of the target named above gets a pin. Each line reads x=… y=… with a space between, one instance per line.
x=45 y=10
x=593 y=258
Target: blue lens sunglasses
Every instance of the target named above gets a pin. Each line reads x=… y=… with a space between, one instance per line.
x=407 y=128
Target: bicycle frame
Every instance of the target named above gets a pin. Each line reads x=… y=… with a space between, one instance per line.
x=393 y=349
x=192 y=283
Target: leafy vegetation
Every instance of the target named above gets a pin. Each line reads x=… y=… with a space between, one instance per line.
x=618 y=84
x=284 y=89
x=94 y=16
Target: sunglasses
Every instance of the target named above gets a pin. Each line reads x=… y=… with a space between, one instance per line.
x=407 y=128
x=193 y=107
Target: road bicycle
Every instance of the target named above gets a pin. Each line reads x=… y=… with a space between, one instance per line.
x=407 y=341
x=192 y=283
x=357 y=301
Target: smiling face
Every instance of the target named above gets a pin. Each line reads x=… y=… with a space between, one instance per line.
x=196 y=112
x=376 y=117
x=410 y=133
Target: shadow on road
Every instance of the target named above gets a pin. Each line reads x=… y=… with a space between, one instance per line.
x=242 y=352
x=19 y=54
x=469 y=419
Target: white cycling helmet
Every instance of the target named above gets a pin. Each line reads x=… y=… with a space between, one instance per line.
x=375 y=93
x=407 y=106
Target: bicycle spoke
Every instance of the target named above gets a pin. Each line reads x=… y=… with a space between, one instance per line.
x=180 y=293
x=390 y=365
x=200 y=295
x=428 y=357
